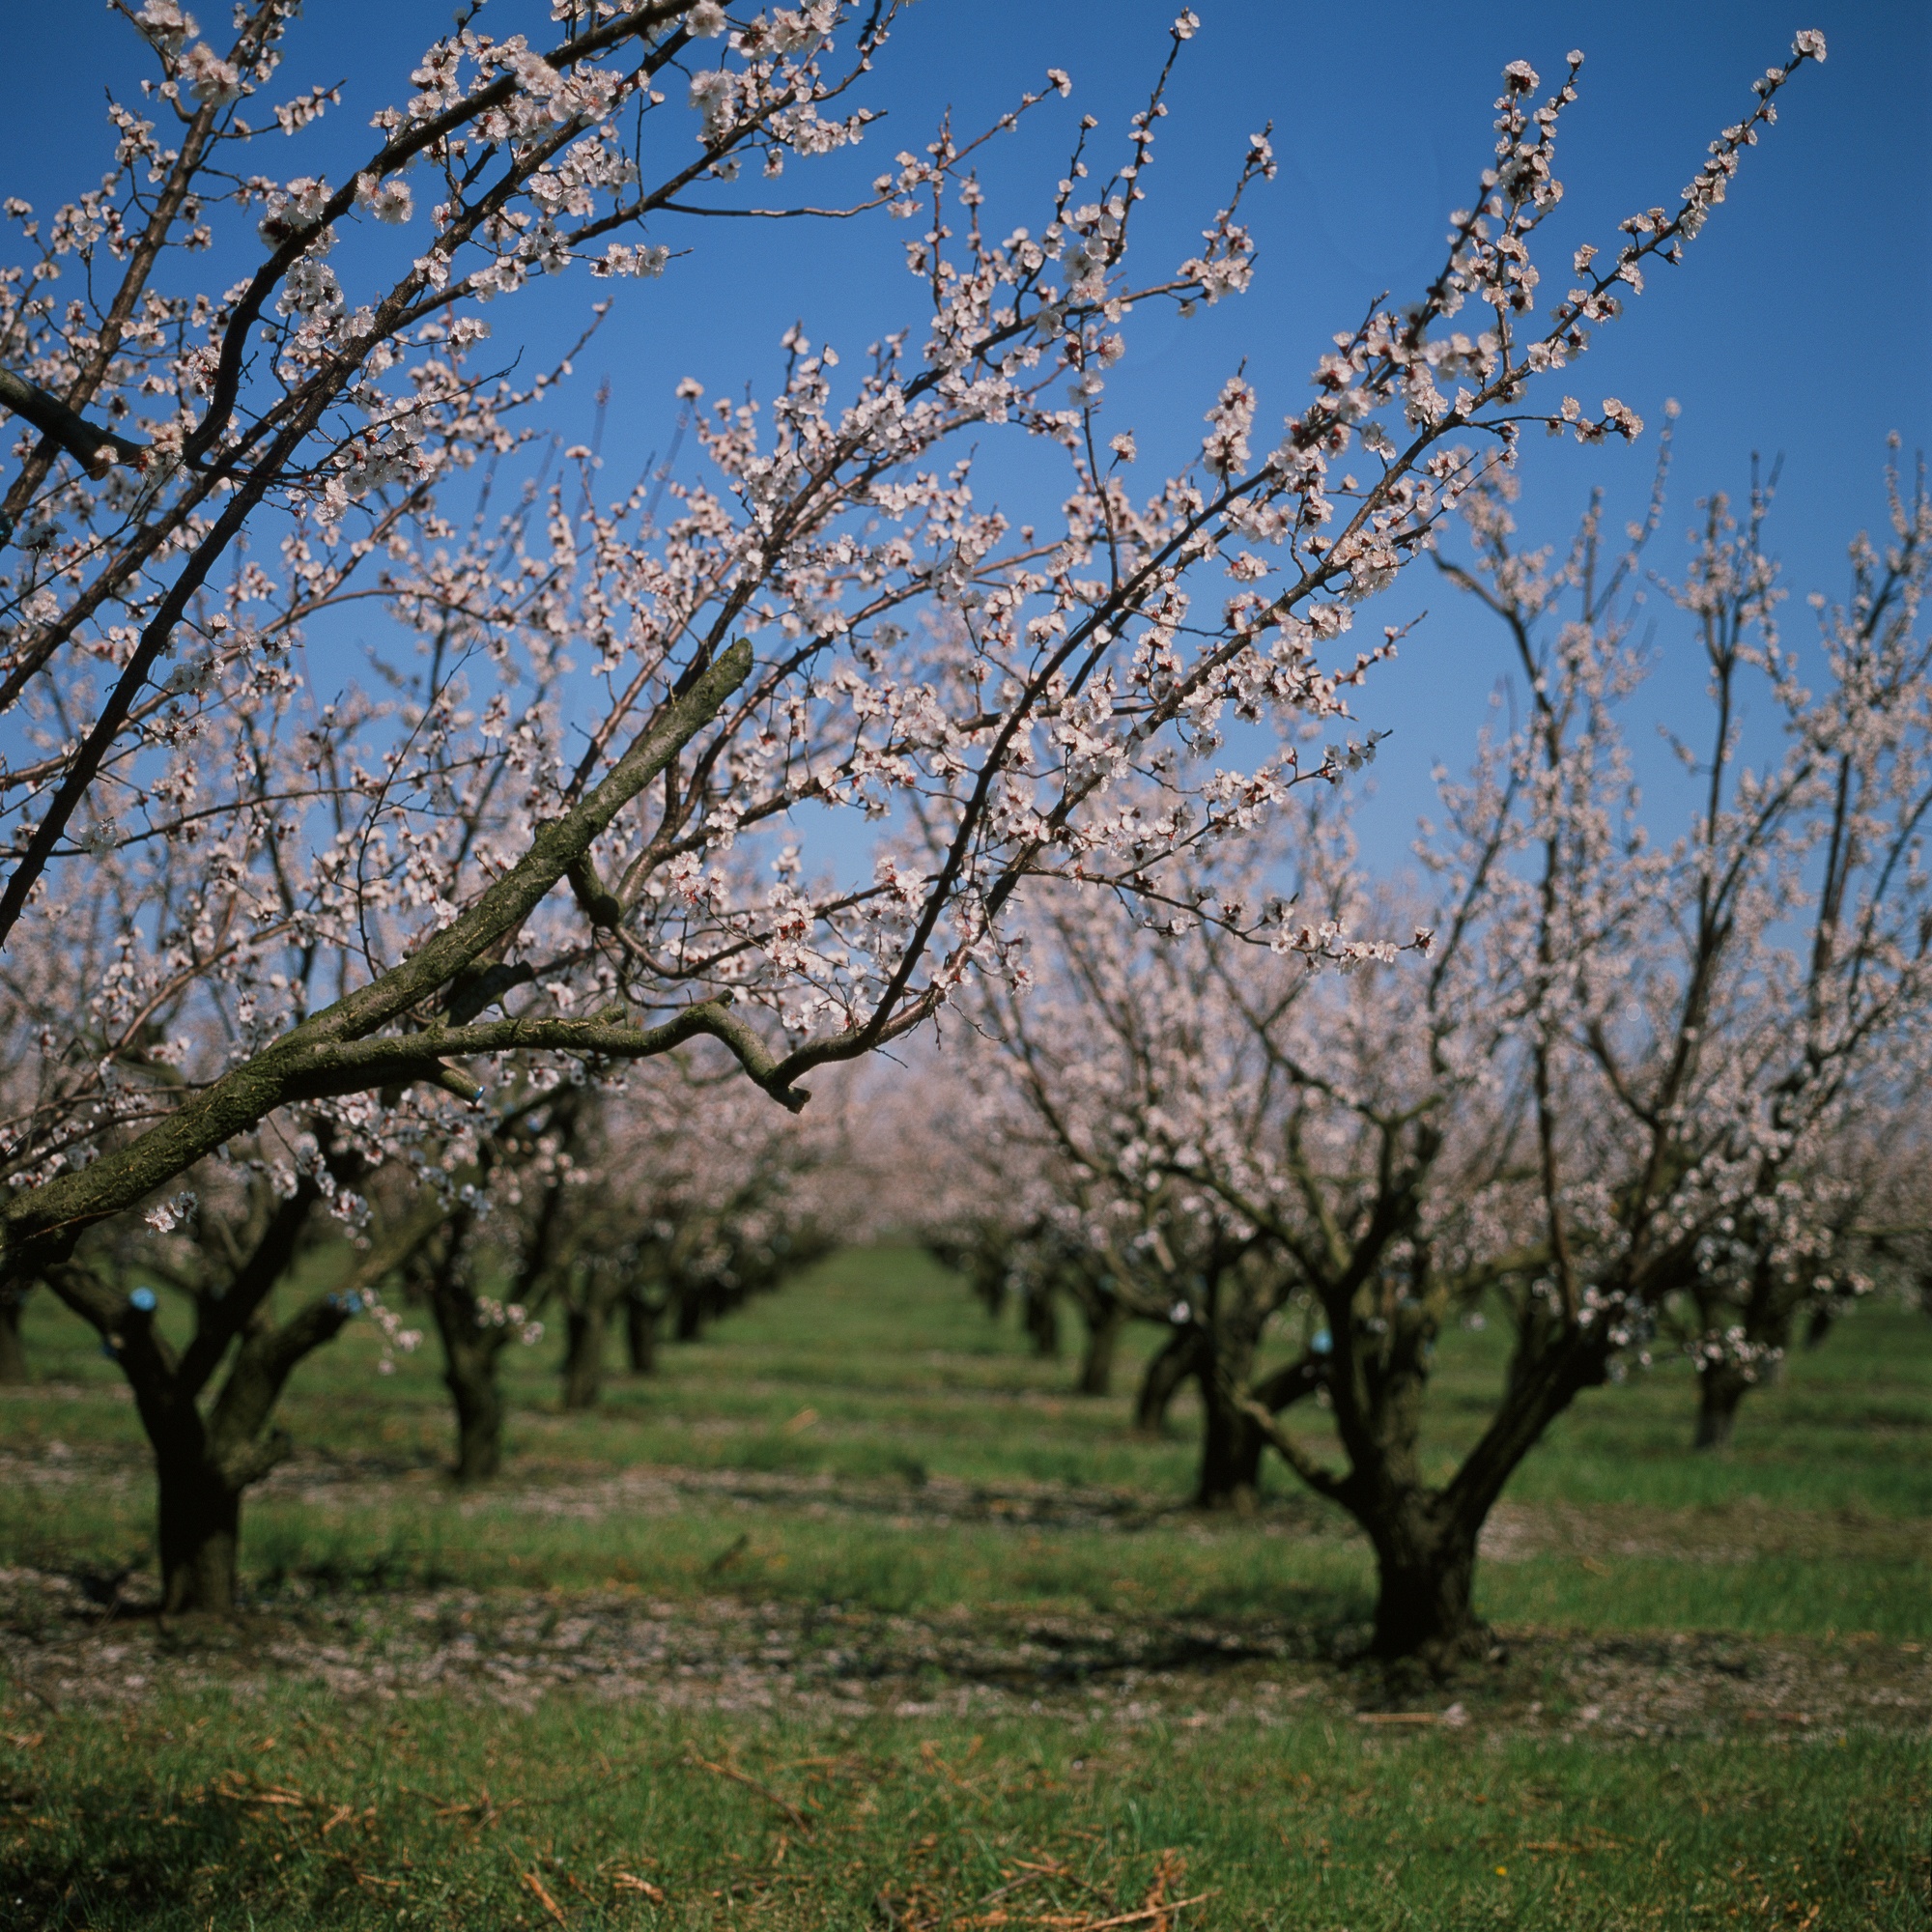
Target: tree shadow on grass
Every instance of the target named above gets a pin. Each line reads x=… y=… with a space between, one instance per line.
x=1030 y=1655
x=137 y=1856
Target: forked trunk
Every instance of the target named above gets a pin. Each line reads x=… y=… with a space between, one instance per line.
x=584 y=1331
x=200 y=1534
x=1720 y=1387
x=1097 y=1360
x=640 y=1335
x=1426 y=1570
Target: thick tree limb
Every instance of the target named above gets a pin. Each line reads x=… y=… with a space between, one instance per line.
x=1323 y=1481
x=39 y=1225
x=359 y=1066
x=95 y=450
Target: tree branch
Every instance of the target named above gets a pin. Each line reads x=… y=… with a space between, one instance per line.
x=45 y=1221
x=95 y=450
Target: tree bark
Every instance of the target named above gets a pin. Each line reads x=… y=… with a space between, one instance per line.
x=1425 y=1568
x=640 y=1335
x=1720 y=1388
x=12 y=1358
x=1161 y=1382
x=1097 y=1360
x=470 y=1354
x=470 y=1373
x=1231 y=1455
x=585 y=1328
x=200 y=1525
x=1231 y=1445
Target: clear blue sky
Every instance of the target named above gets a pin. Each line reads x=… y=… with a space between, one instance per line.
x=1797 y=326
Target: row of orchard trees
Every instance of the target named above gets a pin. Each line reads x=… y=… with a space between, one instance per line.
x=1621 y=1067
x=296 y=925
x=659 y=1200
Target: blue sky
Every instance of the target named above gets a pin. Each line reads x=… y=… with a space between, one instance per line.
x=1797 y=326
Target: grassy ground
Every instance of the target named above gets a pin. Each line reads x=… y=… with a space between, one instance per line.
x=853 y=1616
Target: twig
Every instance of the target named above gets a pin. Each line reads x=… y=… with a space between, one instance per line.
x=1145 y=1912
x=1014 y=1885
x=771 y=1797
x=549 y=1904
x=1455 y=1717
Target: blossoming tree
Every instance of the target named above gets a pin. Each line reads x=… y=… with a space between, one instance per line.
x=1743 y=1010
x=1637 y=1070
x=551 y=810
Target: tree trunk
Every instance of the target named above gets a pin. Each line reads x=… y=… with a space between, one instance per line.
x=470 y=1354
x=1231 y=1445
x=1097 y=1360
x=12 y=1358
x=1042 y=1324
x=585 y=1331
x=470 y=1373
x=1426 y=1569
x=689 y=1317
x=640 y=1335
x=1231 y=1454
x=1720 y=1387
x=1161 y=1382
x=200 y=1533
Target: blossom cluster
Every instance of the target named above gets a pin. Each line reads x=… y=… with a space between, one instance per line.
x=210 y=857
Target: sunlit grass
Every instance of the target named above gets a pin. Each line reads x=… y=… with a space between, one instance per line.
x=289 y=1811
x=878 y=1374
x=867 y=1457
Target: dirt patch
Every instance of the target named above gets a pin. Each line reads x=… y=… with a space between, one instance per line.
x=94 y=1641
x=71 y=1633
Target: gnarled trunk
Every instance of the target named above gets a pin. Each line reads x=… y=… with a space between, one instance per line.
x=204 y=1459
x=1720 y=1387
x=1425 y=1568
x=1231 y=1445
x=1231 y=1455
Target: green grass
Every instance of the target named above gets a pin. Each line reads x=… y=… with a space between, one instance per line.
x=861 y=1546
x=879 y=1372
x=296 y=1813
